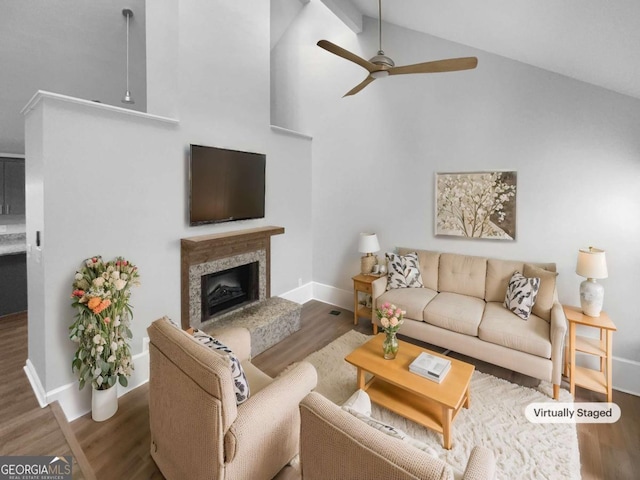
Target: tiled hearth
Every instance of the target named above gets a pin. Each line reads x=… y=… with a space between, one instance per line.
x=207 y=254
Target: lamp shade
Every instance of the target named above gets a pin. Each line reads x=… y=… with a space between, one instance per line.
x=368 y=243
x=592 y=263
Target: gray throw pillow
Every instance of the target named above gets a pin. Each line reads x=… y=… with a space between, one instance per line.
x=403 y=271
x=521 y=295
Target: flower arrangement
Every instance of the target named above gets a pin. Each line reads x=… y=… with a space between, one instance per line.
x=101 y=293
x=391 y=317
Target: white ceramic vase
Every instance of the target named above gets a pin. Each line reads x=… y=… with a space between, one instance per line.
x=104 y=403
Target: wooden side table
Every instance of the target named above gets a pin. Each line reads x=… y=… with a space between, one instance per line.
x=596 y=380
x=362 y=283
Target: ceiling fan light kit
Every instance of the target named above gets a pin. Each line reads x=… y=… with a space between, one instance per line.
x=380 y=65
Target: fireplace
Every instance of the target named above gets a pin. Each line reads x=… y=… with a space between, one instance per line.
x=229 y=289
x=206 y=261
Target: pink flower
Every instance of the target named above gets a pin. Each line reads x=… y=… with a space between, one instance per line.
x=385 y=305
x=107 y=320
x=398 y=312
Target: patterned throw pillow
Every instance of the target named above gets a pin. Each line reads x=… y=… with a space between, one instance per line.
x=403 y=271
x=521 y=295
x=240 y=384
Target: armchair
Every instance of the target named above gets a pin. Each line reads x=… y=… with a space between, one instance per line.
x=198 y=431
x=335 y=444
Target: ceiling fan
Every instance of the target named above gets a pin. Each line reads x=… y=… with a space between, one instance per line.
x=380 y=65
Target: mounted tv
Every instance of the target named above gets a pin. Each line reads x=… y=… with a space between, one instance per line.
x=225 y=185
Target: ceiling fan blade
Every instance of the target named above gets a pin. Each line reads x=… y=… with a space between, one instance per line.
x=360 y=86
x=448 y=65
x=347 y=55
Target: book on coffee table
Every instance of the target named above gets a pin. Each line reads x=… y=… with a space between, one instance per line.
x=431 y=367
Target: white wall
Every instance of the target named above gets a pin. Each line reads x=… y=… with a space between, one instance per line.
x=116 y=183
x=575 y=147
x=70 y=47
x=110 y=189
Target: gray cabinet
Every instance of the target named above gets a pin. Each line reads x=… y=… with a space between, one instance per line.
x=13 y=283
x=11 y=186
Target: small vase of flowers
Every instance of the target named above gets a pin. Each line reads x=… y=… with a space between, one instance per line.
x=391 y=317
x=101 y=293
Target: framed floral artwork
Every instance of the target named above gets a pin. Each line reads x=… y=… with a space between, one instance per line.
x=476 y=205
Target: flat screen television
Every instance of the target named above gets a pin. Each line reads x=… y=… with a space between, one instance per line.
x=225 y=185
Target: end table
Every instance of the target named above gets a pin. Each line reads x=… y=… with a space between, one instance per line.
x=596 y=380
x=362 y=283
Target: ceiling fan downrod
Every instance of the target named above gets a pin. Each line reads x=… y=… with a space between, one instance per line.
x=381 y=59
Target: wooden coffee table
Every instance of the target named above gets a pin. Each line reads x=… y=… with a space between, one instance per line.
x=393 y=386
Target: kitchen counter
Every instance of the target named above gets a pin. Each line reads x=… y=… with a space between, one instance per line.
x=13 y=243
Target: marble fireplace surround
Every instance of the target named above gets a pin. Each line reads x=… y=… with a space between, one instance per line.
x=207 y=254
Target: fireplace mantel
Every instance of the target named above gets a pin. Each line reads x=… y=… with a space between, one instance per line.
x=208 y=248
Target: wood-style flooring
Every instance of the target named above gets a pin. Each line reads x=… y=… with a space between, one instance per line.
x=119 y=447
x=25 y=428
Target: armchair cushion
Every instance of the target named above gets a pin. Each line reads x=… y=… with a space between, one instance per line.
x=240 y=383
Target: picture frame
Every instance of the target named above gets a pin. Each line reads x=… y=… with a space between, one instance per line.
x=477 y=205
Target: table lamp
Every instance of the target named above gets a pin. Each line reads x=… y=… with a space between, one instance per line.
x=368 y=245
x=591 y=265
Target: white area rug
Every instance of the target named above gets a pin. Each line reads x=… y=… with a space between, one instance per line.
x=495 y=420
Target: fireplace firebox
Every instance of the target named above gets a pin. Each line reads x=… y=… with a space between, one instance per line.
x=229 y=289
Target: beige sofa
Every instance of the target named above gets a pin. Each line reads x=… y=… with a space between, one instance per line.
x=461 y=308
x=336 y=445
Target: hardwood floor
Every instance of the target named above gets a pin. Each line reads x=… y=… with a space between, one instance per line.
x=119 y=447
x=25 y=428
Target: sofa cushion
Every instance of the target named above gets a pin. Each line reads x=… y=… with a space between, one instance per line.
x=403 y=271
x=546 y=292
x=411 y=300
x=501 y=327
x=240 y=383
x=462 y=274
x=521 y=294
x=499 y=272
x=429 y=262
x=455 y=312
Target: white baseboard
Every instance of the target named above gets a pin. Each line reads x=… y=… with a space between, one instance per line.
x=75 y=402
x=36 y=385
x=626 y=375
x=332 y=295
x=299 y=295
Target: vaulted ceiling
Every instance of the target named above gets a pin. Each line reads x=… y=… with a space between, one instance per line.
x=594 y=41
